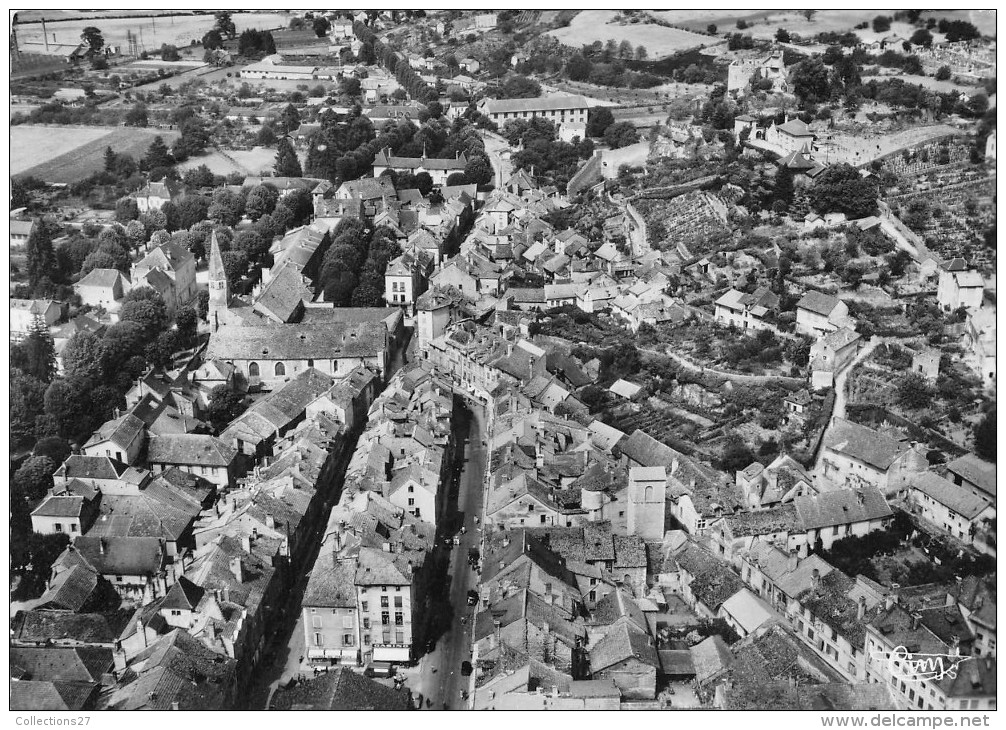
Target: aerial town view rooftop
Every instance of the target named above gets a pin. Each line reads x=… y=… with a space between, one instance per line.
x=503 y=360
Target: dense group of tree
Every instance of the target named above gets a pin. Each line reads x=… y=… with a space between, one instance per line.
x=375 y=50
x=352 y=271
x=542 y=153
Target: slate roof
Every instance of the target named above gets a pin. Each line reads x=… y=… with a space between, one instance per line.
x=841 y=507
x=183 y=595
x=190 y=449
x=91 y=467
x=960 y=499
x=59 y=507
x=864 y=444
x=341 y=689
x=120 y=431
x=316 y=340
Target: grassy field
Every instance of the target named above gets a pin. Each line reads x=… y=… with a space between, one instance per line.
x=71 y=153
x=593 y=25
x=153 y=31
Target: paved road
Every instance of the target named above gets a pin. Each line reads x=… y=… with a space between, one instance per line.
x=496 y=146
x=841 y=396
x=440 y=677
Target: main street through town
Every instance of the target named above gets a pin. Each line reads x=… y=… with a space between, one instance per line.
x=440 y=679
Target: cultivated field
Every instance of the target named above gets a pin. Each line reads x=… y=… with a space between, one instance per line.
x=247 y=162
x=594 y=25
x=153 y=31
x=65 y=154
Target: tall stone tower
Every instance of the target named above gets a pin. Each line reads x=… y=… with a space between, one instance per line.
x=219 y=291
x=647 y=492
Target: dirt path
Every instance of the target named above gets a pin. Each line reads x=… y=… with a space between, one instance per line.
x=735 y=377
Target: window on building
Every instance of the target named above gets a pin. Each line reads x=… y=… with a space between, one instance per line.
x=73 y=527
x=398 y=601
x=363 y=605
x=399 y=637
x=253 y=369
x=280 y=369
x=58 y=526
x=316 y=622
x=399 y=618
x=366 y=623
x=384 y=599
x=366 y=639
x=412 y=502
x=386 y=636
x=347 y=639
x=347 y=621
x=318 y=639
x=385 y=618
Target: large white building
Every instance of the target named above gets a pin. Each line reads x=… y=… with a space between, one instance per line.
x=556 y=109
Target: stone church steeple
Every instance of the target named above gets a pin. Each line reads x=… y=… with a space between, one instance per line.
x=219 y=291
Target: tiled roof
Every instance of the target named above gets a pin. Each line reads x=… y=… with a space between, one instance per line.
x=39 y=626
x=62 y=664
x=101 y=278
x=960 y=499
x=840 y=507
x=91 y=467
x=622 y=643
x=815 y=301
x=544 y=103
x=190 y=449
x=59 y=507
x=341 y=689
x=133 y=556
x=865 y=444
x=71 y=589
x=28 y=695
x=975 y=470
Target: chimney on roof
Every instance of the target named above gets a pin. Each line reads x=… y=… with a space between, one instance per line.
x=502 y=564
x=861 y=608
x=506 y=539
x=949 y=603
x=246 y=543
x=545 y=627
x=237 y=569
x=815 y=579
x=793 y=561
x=916 y=618
x=225 y=594
x=860 y=497
x=955 y=645
x=102 y=545
x=174 y=705
x=141 y=632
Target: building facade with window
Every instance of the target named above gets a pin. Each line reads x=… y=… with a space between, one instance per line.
x=385 y=603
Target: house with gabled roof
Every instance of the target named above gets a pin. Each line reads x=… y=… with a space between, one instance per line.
x=854 y=455
x=103 y=289
x=746 y=311
x=206 y=456
x=818 y=314
x=176 y=263
x=627 y=656
x=154 y=195
x=134 y=566
x=121 y=438
x=953 y=509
